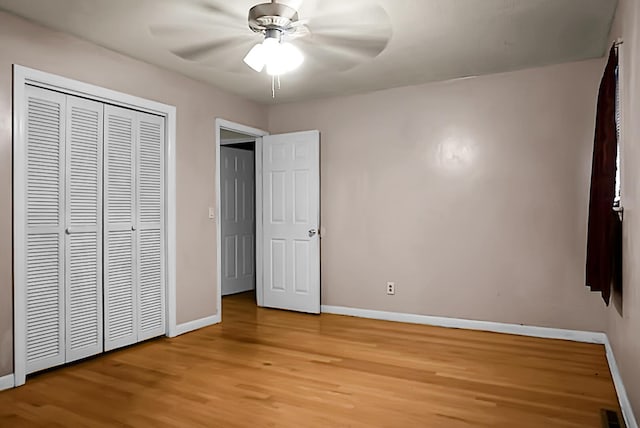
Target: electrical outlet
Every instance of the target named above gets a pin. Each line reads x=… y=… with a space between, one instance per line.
x=391 y=288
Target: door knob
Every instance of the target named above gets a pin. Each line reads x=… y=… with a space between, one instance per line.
x=67 y=231
x=312 y=232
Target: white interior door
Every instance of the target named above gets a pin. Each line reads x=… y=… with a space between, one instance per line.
x=238 y=220
x=120 y=292
x=291 y=220
x=90 y=246
x=64 y=228
x=83 y=240
x=148 y=225
x=44 y=261
x=134 y=288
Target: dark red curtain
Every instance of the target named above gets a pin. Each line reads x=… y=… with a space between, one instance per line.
x=604 y=235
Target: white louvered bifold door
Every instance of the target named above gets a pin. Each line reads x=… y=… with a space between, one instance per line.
x=120 y=291
x=44 y=264
x=83 y=240
x=94 y=244
x=149 y=226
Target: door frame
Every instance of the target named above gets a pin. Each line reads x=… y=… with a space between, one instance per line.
x=258 y=134
x=23 y=76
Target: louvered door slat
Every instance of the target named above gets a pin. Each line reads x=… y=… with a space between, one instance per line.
x=120 y=291
x=45 y=152
x=150 y=217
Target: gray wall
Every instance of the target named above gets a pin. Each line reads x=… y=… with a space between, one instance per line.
x=470 y=194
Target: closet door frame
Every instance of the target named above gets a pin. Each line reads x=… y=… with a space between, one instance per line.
x=23 y=77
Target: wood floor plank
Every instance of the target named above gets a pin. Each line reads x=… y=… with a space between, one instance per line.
x=268 y=368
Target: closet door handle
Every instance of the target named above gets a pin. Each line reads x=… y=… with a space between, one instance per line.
x=67 y=231
x=133 y=228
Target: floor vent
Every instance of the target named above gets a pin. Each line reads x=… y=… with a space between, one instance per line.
x=611 y=419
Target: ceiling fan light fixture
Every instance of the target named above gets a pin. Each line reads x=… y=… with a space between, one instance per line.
x=256 y=58
x=279 y=58
x=284 y=59
x=328 y=38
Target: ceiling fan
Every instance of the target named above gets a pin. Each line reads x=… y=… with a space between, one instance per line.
x=335 y=35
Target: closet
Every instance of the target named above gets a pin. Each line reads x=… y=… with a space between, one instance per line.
x=94 y=265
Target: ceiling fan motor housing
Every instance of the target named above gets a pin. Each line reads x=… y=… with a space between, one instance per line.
x=272 y=16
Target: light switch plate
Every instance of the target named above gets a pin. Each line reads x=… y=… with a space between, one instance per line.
x=212 y=213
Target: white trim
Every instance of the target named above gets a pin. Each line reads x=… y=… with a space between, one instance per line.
x=496 y=327
x=170 y=221
x=259 y=226
x=26 y=75
x=7 y=382
x=258 y=133
x=197 y=324
x=623 y=399
x=19 y=226
x=23 y=76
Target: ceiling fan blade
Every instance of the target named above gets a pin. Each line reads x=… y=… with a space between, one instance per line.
x=195 y=31
x=230 y=60
x=354 y=45
x=326 y=58
x=340 y=53
x=222 y=9
x=297 y=31
x=200 y=52
x=344 y=34
x=202 y=21
x=299 y=23
x=379 y=29
x=354 y=16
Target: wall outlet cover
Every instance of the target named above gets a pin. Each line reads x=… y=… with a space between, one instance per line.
x=391 y=288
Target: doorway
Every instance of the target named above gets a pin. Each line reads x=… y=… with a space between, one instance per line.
x=275 y=252
x=238 y=198
x=237 y=221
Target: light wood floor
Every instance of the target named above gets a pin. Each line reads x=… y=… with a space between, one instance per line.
x=267 y=368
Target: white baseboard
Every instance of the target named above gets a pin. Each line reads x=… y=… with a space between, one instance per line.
x=6 y=382
x=623 y=399
x=496 y=327
x=196 y=324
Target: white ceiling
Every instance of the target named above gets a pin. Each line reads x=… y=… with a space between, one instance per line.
x=431 y=39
